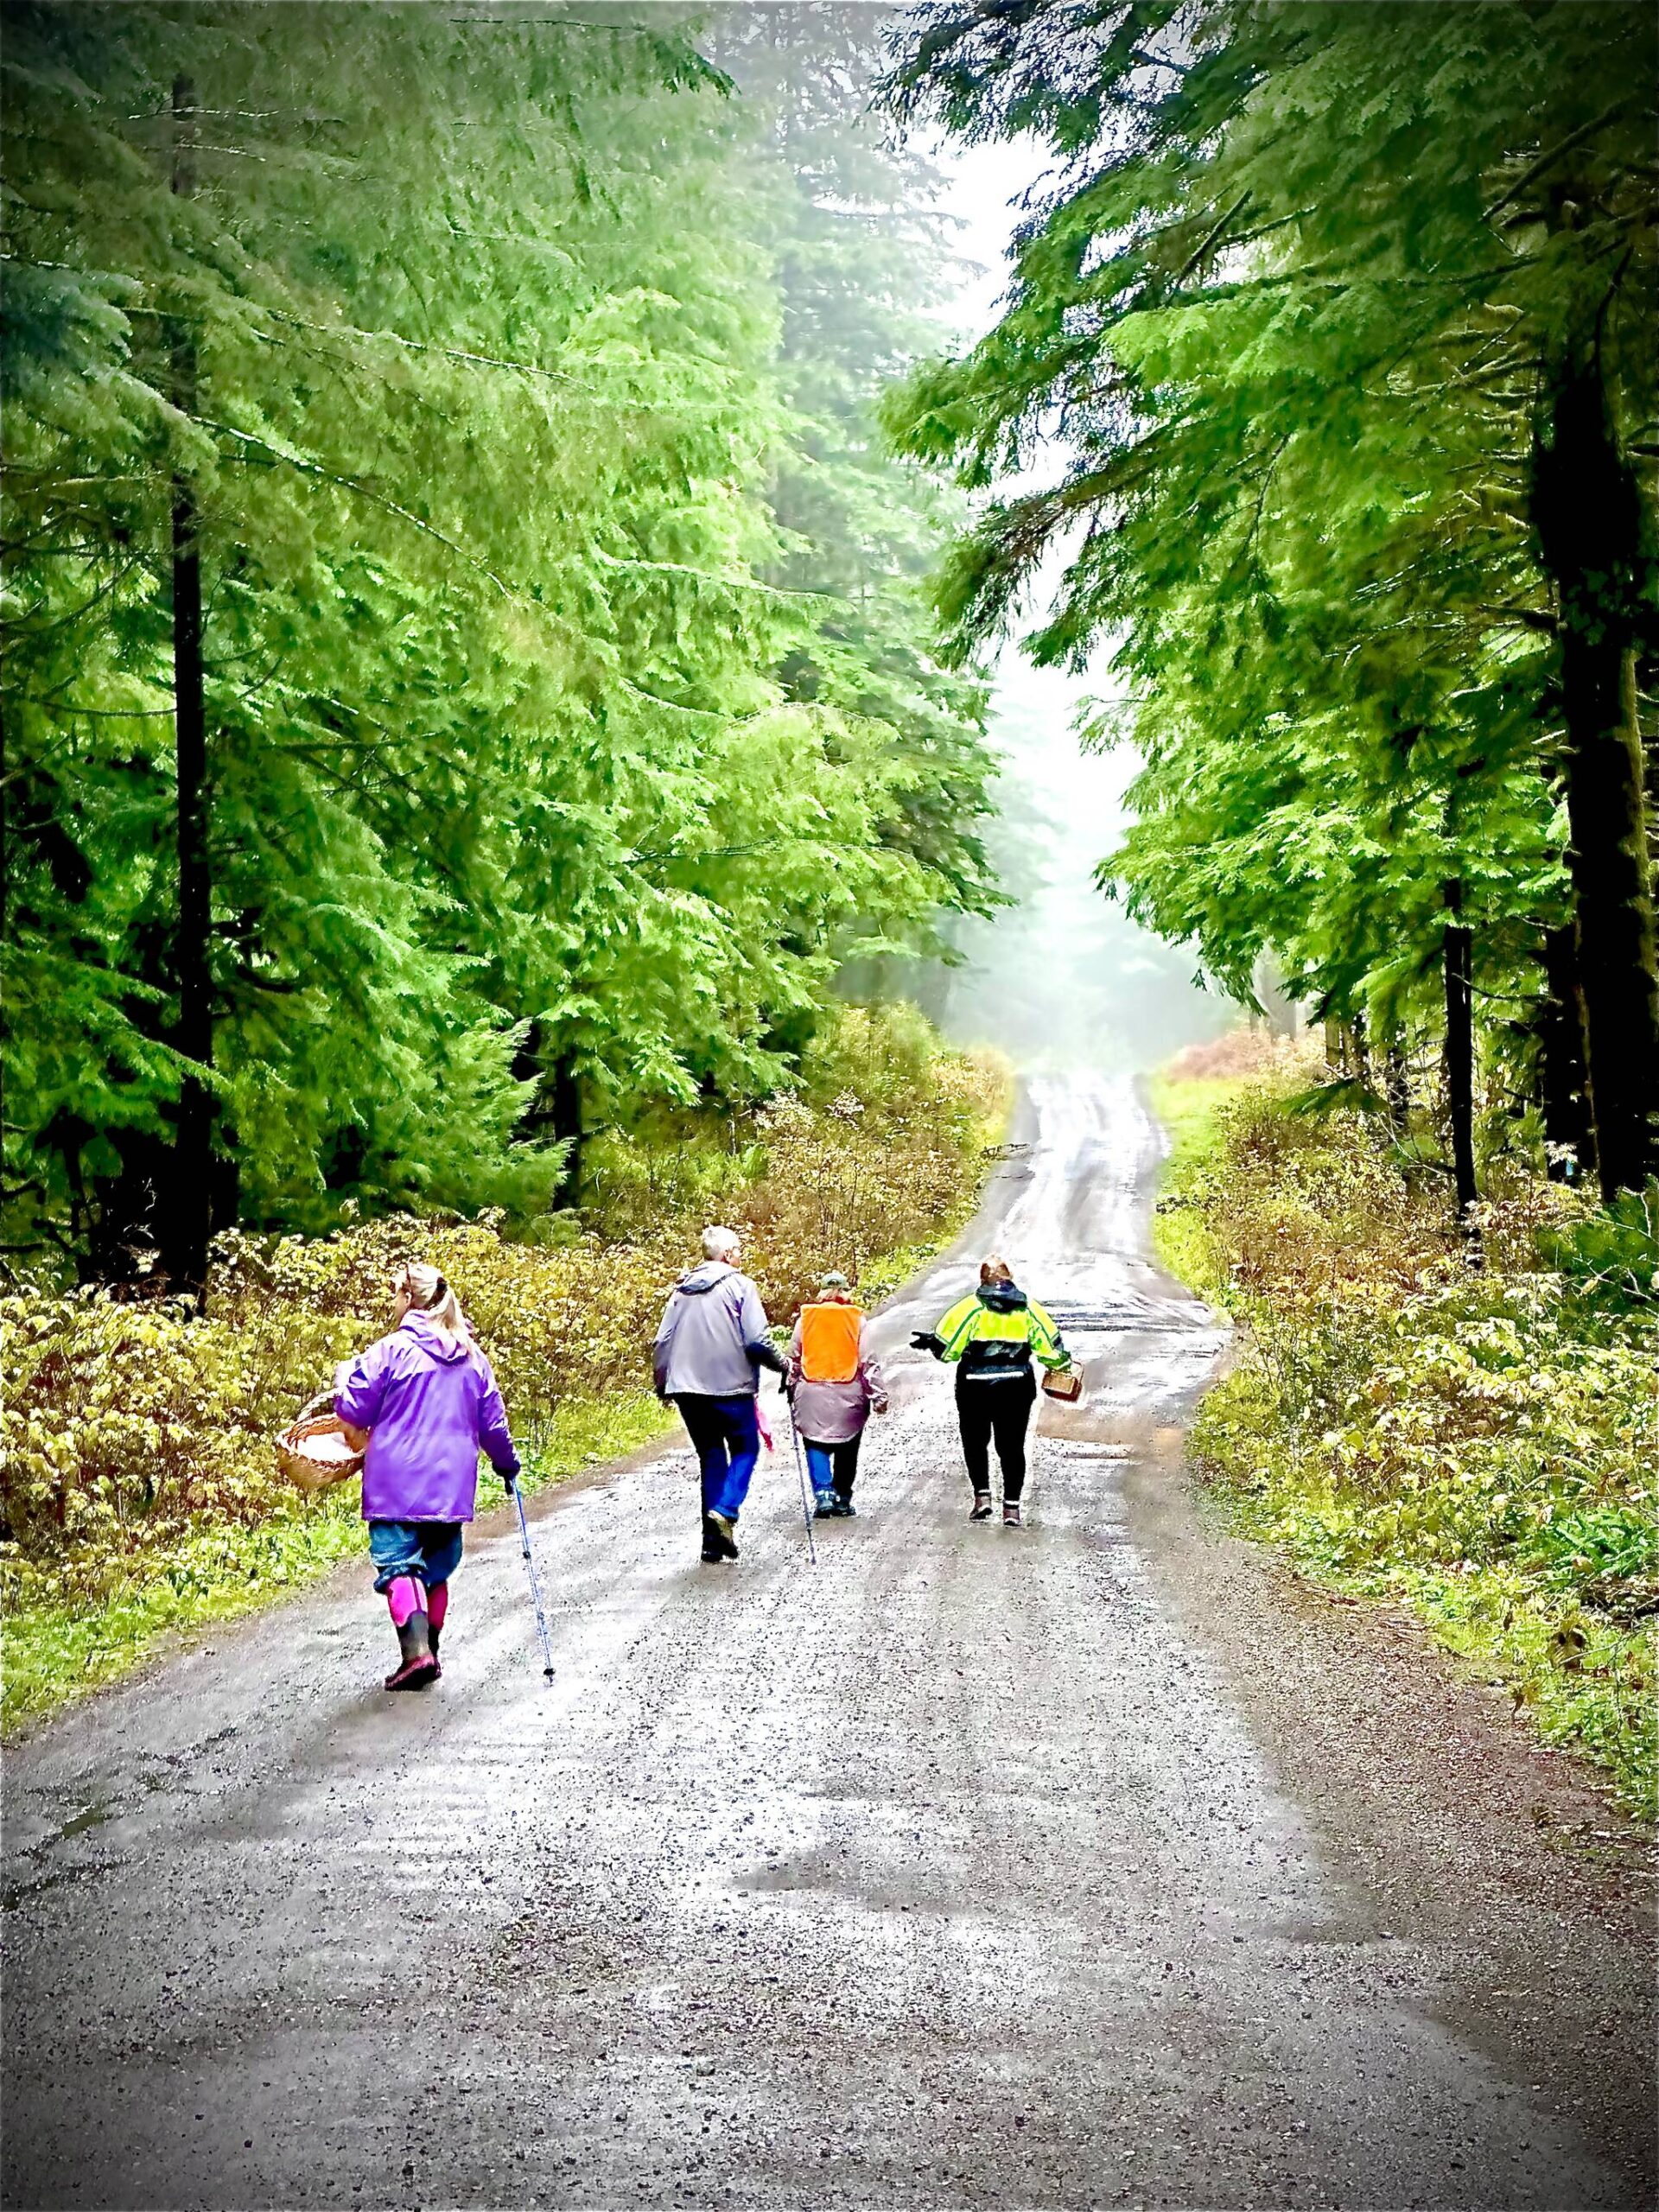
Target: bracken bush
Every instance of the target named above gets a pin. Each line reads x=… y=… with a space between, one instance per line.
x=1480 y=1440
x=138 y=1440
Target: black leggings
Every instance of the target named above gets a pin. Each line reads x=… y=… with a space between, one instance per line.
x=1001 y=1410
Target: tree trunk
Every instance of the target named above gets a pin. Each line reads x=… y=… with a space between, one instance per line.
x=1588 y=512
x=1460 y=1049
x=567 y=1125
x=1360 y=1045
x=1396 y=1079
x=186 y=1225
x=1561 y=1059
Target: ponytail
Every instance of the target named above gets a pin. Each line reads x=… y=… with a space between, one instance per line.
x=429 y=1291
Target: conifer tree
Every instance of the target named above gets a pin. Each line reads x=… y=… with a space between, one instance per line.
x=1303 y=302
x=502 y=810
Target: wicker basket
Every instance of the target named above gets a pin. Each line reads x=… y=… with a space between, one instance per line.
x=1064 y=1384
x=314 y=1451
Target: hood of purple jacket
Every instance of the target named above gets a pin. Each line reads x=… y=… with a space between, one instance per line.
x=436 y=1342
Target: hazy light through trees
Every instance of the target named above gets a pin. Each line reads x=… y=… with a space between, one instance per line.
x=1063 y=975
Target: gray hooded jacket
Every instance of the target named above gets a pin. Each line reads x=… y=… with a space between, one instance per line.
x=713 y=1340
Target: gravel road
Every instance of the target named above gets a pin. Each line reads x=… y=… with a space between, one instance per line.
x=1093 y=1863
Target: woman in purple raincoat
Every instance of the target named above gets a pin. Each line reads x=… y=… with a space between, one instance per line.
x=429 y=1401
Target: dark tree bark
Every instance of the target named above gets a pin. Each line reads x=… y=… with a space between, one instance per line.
x=556 y=1110
x=1560 y=1058
x=1396 y=1082
x=566 y=1105
x=1360 y=1049
x=184 y=1222
x=1460 y=1048
x=1587 y=509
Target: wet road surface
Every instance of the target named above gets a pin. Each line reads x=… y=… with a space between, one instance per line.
x=951 y=1872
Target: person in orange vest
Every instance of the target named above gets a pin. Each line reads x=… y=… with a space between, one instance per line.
x=834 y=1384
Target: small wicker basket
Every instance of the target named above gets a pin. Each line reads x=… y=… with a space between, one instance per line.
x=314 y=1451
x=1064 y=1384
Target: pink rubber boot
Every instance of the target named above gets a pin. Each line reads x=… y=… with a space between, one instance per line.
x=437 y=1606
x=416 y=1666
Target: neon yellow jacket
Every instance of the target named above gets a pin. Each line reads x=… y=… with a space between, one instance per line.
x=994 y=1330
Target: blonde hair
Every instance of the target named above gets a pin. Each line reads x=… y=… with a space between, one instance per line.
x=994 y=1268
x=427 y=1289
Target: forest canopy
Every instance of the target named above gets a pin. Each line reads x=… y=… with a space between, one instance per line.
x=466 y=676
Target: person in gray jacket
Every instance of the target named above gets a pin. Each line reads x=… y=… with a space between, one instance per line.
x=709 y=1350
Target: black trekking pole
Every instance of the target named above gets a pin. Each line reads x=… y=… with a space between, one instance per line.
x=806 y=1506
x=535 y=1591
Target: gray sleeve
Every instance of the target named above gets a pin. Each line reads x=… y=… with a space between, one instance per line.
x=752 y=1322
x=752 y=1317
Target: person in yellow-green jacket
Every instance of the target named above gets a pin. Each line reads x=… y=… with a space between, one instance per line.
x=990 y=1337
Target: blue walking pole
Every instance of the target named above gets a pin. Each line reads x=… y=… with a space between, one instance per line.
x=806 y=1504
x=535 y=1589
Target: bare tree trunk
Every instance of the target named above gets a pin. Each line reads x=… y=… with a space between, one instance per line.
x=1360 y=1048
x=186 y=1225
x=1560 y=1058
x=1460 y=1049
x=1396 y=1079
x=567 y=1125
x=556 y=1108
x=1587 y=507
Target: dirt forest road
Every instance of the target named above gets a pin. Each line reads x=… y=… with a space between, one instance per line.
x=1089 y=1864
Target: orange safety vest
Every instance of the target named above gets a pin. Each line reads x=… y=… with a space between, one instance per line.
x=829 y=1342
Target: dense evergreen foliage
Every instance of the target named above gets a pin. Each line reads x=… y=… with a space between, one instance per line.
x=1333 y=338
x=558 y=714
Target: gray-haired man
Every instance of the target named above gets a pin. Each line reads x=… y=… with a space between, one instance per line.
x=708 y=1357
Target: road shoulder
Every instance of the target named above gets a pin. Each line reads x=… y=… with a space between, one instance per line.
x=1522 y=1902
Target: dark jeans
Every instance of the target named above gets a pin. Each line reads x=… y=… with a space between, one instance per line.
x=833 y=1466
x=430 y=1550
x=727 y=1438
x=1002 y=1411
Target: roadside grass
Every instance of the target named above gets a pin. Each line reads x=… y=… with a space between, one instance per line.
x=52 y=1653
x=1479 y=1447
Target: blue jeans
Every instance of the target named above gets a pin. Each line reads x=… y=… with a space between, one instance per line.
x=430 y=1550
x=833 y=1466
x=728 y=1439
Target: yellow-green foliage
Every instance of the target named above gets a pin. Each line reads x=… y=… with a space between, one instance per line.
x=1188 y=1108
x=140 y=1479
x=1479 y=1441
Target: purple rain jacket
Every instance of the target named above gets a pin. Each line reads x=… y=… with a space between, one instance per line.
x=430 y=1404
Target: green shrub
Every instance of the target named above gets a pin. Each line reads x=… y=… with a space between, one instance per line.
x=1610 y=1258
x=1479 y=1440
